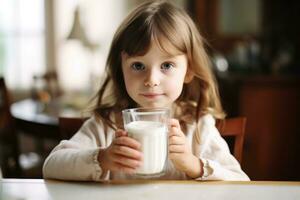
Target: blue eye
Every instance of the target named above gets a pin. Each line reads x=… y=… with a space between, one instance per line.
x=166 y=66
x=138 y=66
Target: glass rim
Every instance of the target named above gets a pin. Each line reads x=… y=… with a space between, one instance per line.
x=146 y=111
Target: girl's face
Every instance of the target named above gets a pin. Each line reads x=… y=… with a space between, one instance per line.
x=156 y=78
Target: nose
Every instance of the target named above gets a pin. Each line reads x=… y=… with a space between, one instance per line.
x=152 y=79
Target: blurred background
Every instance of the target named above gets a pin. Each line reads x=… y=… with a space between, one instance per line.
x=52 y=58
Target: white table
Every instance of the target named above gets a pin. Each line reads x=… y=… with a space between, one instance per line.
x=13 y=189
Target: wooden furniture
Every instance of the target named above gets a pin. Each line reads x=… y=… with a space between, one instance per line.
x=31 y=119
x=233 y=131
x=68 y=126
x=39 y=119
x=9 y=146
x=271 y=106
x=143 y=189
x=40 y=122
x=222 y=22
x=263 y=20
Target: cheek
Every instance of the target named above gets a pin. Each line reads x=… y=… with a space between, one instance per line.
x=128 y=83
x=131 y=85
x=126 y=79
x=175 y=88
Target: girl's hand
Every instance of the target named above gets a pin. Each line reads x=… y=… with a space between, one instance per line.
x=122 y=155
x=180 y=153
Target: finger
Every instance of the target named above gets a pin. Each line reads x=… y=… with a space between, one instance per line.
x=127 y=151
x=123 y=168
x=120 y=133
x=176 y=140
x=127 y=141
x=174 y=156
x=174 y=123
x=128 y=162
x=176 y=148
x=174 y=131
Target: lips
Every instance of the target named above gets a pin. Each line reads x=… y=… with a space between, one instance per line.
x=151 y=95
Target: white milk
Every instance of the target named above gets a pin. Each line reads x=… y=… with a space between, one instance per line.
x=153 y=138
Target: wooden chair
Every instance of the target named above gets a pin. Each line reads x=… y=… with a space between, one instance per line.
x=9 y=146
x=69 y=126
x=233 y=131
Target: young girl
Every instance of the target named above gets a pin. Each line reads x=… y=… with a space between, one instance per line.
x=157 y=59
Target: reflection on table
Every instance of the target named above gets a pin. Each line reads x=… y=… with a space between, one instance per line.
x=211 y=190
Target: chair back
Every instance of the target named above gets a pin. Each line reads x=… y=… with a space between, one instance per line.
x=233 y=131
x=5 y=116
x=9 y=146
x=68 y=126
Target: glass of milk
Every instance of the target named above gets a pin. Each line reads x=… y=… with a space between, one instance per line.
x=149 y=126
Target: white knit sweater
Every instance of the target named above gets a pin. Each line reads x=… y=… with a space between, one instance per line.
x=76 y=159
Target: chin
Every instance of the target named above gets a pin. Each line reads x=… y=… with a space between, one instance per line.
x=154 y=105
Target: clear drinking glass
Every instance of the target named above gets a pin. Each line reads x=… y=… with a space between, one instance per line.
x=149 y=127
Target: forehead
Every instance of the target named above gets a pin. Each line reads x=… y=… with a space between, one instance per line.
x=161 y=49
x=160 y=44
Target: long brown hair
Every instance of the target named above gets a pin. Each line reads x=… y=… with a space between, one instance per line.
x=174 y=31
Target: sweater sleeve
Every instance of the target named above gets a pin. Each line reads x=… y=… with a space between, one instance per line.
x=76 y=159
x=213 y=151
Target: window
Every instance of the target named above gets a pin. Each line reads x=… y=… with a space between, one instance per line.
x=80 y=67
x=22 y=41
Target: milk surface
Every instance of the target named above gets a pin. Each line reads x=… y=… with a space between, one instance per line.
x=153 y=138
